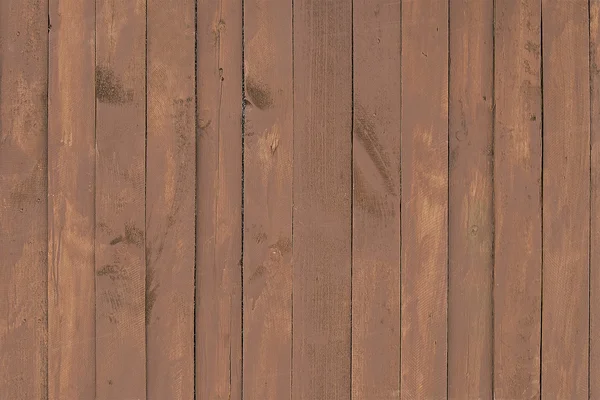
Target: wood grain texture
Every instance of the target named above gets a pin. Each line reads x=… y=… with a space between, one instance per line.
x=566 y=201
x=120 y=199
x=170 y=199
x=219 y=201
x=376 y=204
x=471 y=213
x=424 y=199
x=71 y=191
x=268 y=141
x=594 y=367
x=322 y=199
x=517 y=199
x=23 y=201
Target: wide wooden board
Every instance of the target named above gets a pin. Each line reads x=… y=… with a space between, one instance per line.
x=268 y=141
x=322 y=199
x=470 y=196
x=566 y=200
x=219 y=201
x=71 y=192
x=120 y=199
x=517 y=199
x=376 y=201
x=424 y=199
x=170 y=199
x=23 y=199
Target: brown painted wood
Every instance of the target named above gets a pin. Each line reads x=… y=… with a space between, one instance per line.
x=170 y=199
x=23 y=201
x=594 y=367
x=322 y=199
x=268 y=141
x=471 y=213
x=219 y=201
x=71 y=191
x=376 y=205
x=517 y=199
x=120 y=199
x=566 y=201
x=123 y=208
x=424 y=199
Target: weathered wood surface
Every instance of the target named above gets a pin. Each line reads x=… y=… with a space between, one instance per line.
x=299 y=199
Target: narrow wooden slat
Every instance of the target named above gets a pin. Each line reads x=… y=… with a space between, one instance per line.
x=566 y=201
x=71 y=189
x=23 y=201
x=120 y=194
x=471 y=229
x=322 y=199
x=594 y=367
x=219 y=201
x=424 y=198
x=170 y=199
x=517 y=199
x=376 y=205
x=268 y=141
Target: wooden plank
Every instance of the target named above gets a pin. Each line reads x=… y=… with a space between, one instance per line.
x=71 y=191
x=471 y=213
x=322 y=357
x=424 y=199
x=219 y=201
x=120 y=199
x=268 y=140
x=566 y=212
x=376 y=201
x=517 y=199
x=23 y=201
x=594 y=367
x=170 y=199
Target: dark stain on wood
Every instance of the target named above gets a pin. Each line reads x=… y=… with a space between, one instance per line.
x=259 y=94
x=133 y=235
x=377 y=155
x=151 y=292
x=110 y=88
x=112 y=271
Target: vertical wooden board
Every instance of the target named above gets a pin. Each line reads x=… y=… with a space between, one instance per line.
x=268 y=140
x=565 y=323
x=120 y=199
x=23 y=201
x=424 y=199
x=471 y=225
x=594 y=367
x=517 y=199
x=170 y=199
x=321 y=361
x=219 y=201
x=376 y=204
x=71 y=189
